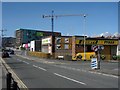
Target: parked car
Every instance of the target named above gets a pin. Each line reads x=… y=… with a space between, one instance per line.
x=5 y=54
x=11 y=51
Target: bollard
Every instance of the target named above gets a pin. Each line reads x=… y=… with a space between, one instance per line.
x=8 y=81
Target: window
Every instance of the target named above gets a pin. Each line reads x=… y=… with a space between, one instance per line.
x=66 y=46
x=58 y=40
x=58 y=46
x=66 y=40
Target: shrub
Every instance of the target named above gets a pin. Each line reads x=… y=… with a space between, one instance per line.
x=22 y=48
x=102 y=57
x=114 y=57
x=118 y=57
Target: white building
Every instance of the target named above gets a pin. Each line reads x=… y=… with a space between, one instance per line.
x=118 y=48
x=35 y=45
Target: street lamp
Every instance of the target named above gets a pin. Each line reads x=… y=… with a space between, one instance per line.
x=84 y=35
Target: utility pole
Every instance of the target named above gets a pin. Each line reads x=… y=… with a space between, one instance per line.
x=52 y=21
x=2 y=35
x=84 y=37
x=2 y=32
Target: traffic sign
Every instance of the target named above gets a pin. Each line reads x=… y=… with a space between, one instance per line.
x=94 y=63
x=94 y=47
x=97 y=47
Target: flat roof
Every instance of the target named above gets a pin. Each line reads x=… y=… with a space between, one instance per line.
x=40 y=30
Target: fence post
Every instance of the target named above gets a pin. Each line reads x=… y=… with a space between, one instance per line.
x=8 y=81
x=14 y=85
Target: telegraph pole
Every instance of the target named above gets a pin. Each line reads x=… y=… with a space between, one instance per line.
x=2 y=35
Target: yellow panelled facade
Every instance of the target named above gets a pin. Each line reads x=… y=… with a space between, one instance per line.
x=108 y=43
x=98 y=42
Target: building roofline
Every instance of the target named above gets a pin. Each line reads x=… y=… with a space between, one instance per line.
x=101 y=38
x=41 y=30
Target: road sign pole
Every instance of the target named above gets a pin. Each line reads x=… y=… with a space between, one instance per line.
x=98 y=57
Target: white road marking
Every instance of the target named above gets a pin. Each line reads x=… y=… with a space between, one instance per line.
x=19 y=60
x=25 y=62
x=35 y=66
x=110 y=75
x=70 y=68
x=39 y=68
x=42 y=68
x=70 y=79
x=103 y=74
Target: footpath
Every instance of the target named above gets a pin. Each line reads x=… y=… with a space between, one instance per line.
x=108 y=68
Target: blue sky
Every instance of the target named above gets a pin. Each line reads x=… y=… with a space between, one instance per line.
x=102 y=17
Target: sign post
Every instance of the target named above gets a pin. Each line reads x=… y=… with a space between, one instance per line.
x=95 y=62
x=98 y=57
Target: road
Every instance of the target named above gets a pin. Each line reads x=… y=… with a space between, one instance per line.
x=59 y=74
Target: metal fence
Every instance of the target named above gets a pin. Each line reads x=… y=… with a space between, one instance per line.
x=11 y=84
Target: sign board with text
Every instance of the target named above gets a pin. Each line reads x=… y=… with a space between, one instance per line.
x=98 y=42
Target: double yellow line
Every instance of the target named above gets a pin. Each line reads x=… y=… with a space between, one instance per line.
x=15 y=77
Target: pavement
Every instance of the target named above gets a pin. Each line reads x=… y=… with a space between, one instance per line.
x=107 y=67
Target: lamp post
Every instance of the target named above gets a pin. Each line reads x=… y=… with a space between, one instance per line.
x=52 y=21
x=84 y=36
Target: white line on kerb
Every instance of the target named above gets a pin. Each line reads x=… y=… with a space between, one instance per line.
x=104 y=74
x=70 y=79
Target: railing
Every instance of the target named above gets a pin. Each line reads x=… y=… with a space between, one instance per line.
x=11 y=84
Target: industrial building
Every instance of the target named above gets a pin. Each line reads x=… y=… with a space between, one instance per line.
x=72 y=45
x=24 y=36
x=59 y=45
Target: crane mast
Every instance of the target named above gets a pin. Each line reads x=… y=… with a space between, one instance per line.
x=52 y=16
